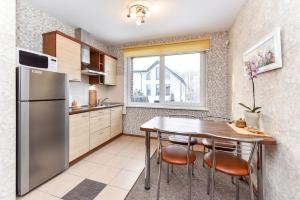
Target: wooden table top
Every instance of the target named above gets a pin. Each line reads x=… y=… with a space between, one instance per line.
x=200 y=128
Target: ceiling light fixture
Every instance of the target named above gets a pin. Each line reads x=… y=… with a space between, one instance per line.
x=139 y=10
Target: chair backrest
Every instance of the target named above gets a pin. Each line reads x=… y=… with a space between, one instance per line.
x=243 y=149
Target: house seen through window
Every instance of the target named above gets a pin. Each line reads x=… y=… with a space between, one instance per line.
x=181 y=84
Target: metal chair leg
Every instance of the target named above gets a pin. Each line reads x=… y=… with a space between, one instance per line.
x=172 y=170
x=237 y=185
x=159 y=178
x=190 y=182
x=193 y=166
x=157 y=150
x=208 y=180
x=204 y=151
x=212 y=184
x=251 y=187
x=232 y=180
x=157 y=157
x=168 y=174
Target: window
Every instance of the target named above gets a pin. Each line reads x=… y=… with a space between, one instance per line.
x=148 y=90
x=185 y=78
x=141 y=85
x=179 y=80
x=157 y=90
x=148 y=77
x=157 y=73
x=167 y=74
x=168 y=89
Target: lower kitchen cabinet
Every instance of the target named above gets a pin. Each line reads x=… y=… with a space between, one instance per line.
x=99 y=119
x=90 y=129
x=79 y=138
x=99 y=137
x=116 y=121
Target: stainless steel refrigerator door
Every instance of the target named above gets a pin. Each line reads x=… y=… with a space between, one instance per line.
x=35 y=84
x=43 y=142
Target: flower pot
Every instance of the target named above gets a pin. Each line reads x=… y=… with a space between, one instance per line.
x=252 y=119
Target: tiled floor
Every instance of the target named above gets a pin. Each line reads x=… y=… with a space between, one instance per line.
x=118 y=165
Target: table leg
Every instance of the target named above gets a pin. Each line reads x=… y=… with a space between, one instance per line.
x=260 y=188
x=147 y=161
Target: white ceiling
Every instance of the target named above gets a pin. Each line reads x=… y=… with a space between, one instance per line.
x=106 y=19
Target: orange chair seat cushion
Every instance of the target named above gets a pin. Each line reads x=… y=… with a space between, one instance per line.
x=227 y=163
x=223 y=145
x=175 y=154
x=181 y=139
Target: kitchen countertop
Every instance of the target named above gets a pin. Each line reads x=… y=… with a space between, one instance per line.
x=82 y=109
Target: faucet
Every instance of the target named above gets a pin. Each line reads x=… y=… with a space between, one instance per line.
x=101 y=101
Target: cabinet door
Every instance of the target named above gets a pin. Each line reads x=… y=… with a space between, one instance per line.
x=110 y=67
x=99 y=137
x=78 y=135
x=68 y=57
x=116 y=121
x=99 y=119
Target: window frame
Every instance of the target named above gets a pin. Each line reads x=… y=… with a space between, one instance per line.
x=170 y=105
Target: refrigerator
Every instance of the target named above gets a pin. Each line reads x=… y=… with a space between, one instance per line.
x=42 y=126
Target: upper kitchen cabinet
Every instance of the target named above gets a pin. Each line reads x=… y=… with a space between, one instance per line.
x=110 y=68
x=96 y=61
x=67 y=51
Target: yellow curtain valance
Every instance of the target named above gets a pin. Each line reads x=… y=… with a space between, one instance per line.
x=167 y=48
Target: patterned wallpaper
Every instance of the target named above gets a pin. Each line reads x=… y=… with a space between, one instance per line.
x=217 y=84
x=7 y=100
x=32 y=23
x=276 y=91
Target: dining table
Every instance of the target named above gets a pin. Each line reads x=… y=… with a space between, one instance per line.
x=202 y=129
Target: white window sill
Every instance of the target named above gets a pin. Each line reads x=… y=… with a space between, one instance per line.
x=168 y=107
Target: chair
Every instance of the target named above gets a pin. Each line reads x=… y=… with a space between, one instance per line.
x=232 y=163
x=175 y=154
x=207 y=143
x=181 y=139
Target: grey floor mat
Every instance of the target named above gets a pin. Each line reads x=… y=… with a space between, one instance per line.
x=86 y=190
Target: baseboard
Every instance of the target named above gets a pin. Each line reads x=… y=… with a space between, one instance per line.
x=93 y=150
x=140 y=136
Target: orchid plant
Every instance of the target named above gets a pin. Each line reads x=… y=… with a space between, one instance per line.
x=251 y=68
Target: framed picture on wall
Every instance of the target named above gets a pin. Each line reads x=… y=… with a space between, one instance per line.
x=266 y=54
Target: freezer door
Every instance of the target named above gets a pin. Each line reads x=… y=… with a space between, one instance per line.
x=42 y=142
x=35 y=84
